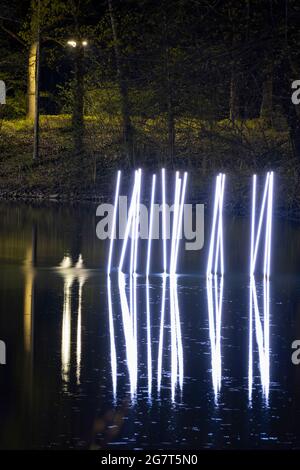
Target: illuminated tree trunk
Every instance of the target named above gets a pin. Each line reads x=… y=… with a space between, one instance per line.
x=31 y=85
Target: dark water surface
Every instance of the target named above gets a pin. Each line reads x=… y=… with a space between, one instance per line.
x=81 y=374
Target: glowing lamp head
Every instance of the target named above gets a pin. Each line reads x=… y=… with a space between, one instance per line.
x=72 y=43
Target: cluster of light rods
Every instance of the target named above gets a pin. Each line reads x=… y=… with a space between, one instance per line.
x=133 y=222
x=215 y=272
x=129 y=309
x=215 y=264
x=261 y=327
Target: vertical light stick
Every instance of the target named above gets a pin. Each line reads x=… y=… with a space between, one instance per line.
x=113 y=223
x=179 y=225
x=164 y=234
x=129 y=222
x=150 y=225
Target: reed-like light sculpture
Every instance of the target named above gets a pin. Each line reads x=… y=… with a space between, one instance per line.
x=164 y=222
x=137 y=220
x=114 y=223
x=66 y=328
x=267 y=258
x=265 y=216
x=175 y=219
x=179 y=224
x=149 y=353
x=261 y=322
x=215 y=283
x=215 y=255
x=129 y=221
x=150 y=225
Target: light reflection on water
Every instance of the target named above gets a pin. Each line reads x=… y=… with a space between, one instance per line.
x=259 y=324
x=178 y=366
x=262 y=334
x=214 y=286
x=130 y=319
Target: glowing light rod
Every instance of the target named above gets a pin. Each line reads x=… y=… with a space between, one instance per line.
x=265 y=216
x=262 y=330
x=114 y=223
x=215 y=256
x=150 y=226
x=133 y=222
x=164 y=234
x=179 y=225
x=175 y=220
x=129 y=221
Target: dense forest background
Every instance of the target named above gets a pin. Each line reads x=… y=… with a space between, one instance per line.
x=203 y=85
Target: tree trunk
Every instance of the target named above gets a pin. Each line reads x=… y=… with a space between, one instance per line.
x=31 y=85
x=289 y=109
x=294 y=125
x=77 y=117
x=169 y=95
x=171 y=131
x=234 y=101
x=266 y=109
x=127 y=124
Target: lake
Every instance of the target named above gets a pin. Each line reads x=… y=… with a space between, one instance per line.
x=193 y=370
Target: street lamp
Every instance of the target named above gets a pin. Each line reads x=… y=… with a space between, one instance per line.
x=77 y=118
x=73 y=43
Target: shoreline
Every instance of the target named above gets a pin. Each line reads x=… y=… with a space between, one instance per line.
x=234 y=210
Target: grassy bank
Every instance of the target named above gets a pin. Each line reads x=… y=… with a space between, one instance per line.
x=202 y=147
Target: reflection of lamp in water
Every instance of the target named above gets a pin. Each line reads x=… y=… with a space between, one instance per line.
x=81 y=280
x=66 y=327
x=69 y=274
x=28 y=298
x=214 y=303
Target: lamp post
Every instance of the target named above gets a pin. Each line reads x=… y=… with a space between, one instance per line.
x=77 y=115
x=36 y=129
